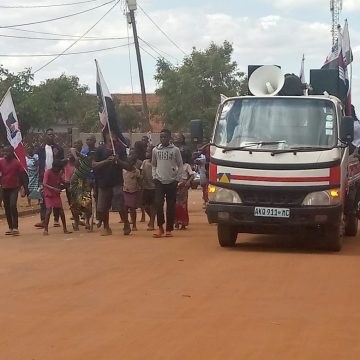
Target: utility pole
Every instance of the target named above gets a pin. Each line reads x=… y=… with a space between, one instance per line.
x=131 y=19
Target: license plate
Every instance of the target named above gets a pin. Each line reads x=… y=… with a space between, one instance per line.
x=272 y=212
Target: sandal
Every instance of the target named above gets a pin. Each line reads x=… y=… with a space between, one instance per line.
x=158 y=234
x=106 y=232
x=169 y=234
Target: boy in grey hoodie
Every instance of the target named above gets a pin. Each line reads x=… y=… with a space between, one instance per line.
x=167 y=168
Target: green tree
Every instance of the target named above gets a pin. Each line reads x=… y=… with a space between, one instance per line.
x=88 y=119
x=129 y=119
x=61 y=99
x=192 y=90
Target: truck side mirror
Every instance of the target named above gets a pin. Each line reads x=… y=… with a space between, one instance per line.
x=347 y=129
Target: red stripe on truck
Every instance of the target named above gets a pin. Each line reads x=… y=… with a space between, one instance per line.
x=213 y=172
x=281 y=179
x=335 y=175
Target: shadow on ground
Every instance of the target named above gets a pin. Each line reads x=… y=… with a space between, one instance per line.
x=306 y=244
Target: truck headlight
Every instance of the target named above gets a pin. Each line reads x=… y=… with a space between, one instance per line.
x=219 y=194
x=323 y=198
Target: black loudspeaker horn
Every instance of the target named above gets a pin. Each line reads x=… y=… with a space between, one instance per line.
x=196 y=130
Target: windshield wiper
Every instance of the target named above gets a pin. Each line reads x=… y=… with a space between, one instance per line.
x=255 y=143
x=296 y=149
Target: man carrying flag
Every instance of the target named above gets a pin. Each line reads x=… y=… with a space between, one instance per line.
x=110 y=160
x=13 y=165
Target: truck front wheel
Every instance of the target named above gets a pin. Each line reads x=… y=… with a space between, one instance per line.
x=227 y=235
x=351 y=225
x=334 y=237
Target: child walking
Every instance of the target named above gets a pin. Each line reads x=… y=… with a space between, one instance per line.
x=182 y=194
x=148 y=188
x=52 y=189
x=132 y=189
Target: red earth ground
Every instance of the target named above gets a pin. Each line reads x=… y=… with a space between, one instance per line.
x=82 y=296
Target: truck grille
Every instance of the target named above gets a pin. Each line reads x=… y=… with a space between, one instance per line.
x=261 y=197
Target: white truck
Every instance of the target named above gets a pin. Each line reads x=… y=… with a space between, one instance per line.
x=282 y=164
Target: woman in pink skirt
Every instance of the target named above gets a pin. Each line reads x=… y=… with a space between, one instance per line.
x=52 y=183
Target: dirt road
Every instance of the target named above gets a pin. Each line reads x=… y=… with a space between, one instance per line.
x=87 y=297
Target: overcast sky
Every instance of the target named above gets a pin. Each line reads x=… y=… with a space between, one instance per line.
x=261 y=31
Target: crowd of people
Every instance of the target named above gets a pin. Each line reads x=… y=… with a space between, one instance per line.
x=107 y=178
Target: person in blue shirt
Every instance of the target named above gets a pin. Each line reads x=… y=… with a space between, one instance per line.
x=90 y=142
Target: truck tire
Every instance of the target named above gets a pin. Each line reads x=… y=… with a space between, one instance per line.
x=227 y=235
x=351 y=225
x=334 y=237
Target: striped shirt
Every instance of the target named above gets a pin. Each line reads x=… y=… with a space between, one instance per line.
x=84 y=169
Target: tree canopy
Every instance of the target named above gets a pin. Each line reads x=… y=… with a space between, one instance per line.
x=187 y=91
x=192 y=90
x=61 y=99
x=52 y=101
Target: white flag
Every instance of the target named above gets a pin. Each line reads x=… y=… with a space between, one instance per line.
x=302 y=70
x=11 y=127
x=346 y=47
x=8 y=115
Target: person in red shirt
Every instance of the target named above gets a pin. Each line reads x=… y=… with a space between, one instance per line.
x=13 y=177
x=52 y=182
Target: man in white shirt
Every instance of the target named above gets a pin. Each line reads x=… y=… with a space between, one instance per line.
x=47 y=154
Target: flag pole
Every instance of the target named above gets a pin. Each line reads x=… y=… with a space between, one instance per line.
x=111 y=139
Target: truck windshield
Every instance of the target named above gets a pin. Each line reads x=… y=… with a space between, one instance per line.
x=276 y=123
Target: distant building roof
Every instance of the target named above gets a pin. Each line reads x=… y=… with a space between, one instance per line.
x=136 y=99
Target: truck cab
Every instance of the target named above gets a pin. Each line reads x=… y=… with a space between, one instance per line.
x=283 y=164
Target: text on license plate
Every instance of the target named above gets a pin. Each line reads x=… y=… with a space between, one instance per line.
x=272 y=212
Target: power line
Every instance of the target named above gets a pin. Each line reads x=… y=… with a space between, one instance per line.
x=157 y=53
x=155 y=58
x=76 y=41
x=54 y=34
x=44 y=6
x=162 y=31
x=57 y=18
x=62 y=39
x=157 y=50
x=69 y=53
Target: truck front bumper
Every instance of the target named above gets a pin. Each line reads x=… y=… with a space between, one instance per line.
x=243 y=218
